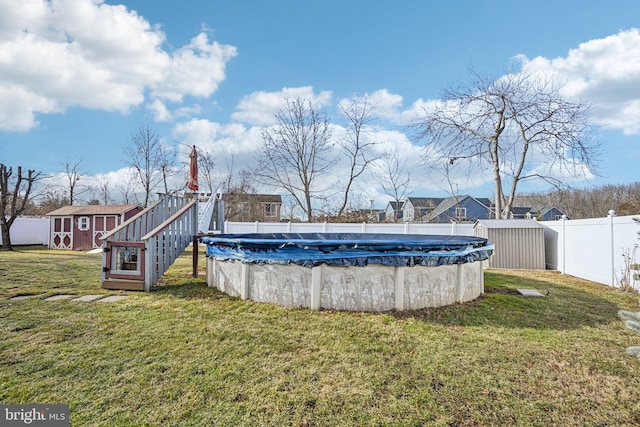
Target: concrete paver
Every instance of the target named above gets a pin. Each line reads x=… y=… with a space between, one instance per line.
x=112 y=298
x=22 y=297
x=530 y=293
x=87 y=298
x=59 y=297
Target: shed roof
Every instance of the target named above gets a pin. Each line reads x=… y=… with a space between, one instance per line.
x=508 y=223
x=94 y=210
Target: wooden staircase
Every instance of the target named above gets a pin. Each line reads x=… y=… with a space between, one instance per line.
x=140 y=250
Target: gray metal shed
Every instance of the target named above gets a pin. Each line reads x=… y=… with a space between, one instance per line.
x=519 y=243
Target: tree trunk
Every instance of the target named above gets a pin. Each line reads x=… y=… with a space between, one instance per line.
x=6 y=237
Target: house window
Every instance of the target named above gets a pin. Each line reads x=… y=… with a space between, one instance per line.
x=461 y=212
x=83 y=223
x=270 y=210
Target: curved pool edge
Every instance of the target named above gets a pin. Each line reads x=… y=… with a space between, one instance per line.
x=376 y=288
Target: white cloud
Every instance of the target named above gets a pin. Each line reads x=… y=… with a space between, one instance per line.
x=60 y=54
x=605 y=72
x=159 y=110
x=231 y=138
x=260 y=107
x=195 y=69
x=161 y=113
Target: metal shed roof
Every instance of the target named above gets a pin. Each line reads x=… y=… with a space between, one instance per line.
x=508 y=223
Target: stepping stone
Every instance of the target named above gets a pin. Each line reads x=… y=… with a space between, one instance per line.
x=112 y=298
x=22 y=297
x=530 y=293
x=87 y=298
x=58 y=297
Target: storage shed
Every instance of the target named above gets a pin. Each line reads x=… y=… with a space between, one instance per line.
x=519 y=243
x=82 y=227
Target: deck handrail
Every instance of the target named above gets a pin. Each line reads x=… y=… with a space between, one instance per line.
x=169 y=220
x=130 y=221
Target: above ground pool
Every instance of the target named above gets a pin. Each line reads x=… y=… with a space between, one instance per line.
x=355 y=272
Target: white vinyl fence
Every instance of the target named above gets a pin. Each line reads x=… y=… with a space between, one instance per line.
x=324 y=227
x=598 y=249
x=29 y=231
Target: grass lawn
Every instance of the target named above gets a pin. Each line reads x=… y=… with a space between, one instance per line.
x=187 y=355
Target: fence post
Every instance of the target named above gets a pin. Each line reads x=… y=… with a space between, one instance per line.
x=563 y=241
x=612 y=214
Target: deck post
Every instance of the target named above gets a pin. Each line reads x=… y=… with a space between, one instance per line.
x=195 y=256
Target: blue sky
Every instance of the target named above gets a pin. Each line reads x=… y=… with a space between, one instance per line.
x=77 y=78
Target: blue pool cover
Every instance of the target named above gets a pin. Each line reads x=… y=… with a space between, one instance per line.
x=345 y=249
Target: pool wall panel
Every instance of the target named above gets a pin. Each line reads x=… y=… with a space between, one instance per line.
x=372 y=288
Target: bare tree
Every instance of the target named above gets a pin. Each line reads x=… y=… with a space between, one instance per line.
x=206 y=167
x=14 y=196
x=294 y=153
x=394 y=176
x=145 y=156
x=52 y=198
x=167 y=163
x=104 y=189
x=593 y=202
x=127 y=188
x=358 y=151
x=74 y=171
x=504 y=125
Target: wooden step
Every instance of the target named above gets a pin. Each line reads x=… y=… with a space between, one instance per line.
x=123 y=284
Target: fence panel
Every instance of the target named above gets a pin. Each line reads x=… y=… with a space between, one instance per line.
x=324 y=227
x=593 y=249
x=29 y=231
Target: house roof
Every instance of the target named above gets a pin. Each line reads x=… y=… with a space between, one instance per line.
x=520 y=210
x=94 y=210
x=508 y=223
x=425 y=202
x=446 y=204
x=484 y=201
x=256 y=198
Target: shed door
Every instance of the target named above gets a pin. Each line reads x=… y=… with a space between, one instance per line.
x=101 y=225
x=62 y=233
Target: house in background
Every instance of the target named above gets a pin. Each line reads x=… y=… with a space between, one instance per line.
x=543 y=213
x=461 y=209
x=519 y=212
x=440 y=210
x=244 y=207
x=418 y=209
x=82 y=227
x=546 y=213
x=393 y=212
